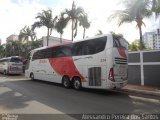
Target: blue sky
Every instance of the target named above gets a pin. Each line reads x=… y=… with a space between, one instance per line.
x=15 y=14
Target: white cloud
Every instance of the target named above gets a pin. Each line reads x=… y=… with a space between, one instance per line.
x=15 y=16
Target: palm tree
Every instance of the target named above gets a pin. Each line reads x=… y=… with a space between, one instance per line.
x=99 y=32
x=26 y=33
x=116 y=34
x=84 y=23
x=60 y=25
x=73 y=15
x=156 y=7
x=45 y=19
x=135 y=10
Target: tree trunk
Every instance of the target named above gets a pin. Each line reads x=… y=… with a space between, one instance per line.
x=72 y=30
x=140 y=34
x=47 y=36
x=60 y=38
x=84 y=31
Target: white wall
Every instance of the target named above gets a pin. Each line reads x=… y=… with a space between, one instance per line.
x=52 y=41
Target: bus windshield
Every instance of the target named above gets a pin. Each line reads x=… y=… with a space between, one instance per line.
x=16 y=60
x=120 y=42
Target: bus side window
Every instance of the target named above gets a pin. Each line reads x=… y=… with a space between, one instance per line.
x=89 y=47
x=48 y=53
x=67 y=51
x=82 y=48
x=76 y=50
x=86 y=50
x=35 y=56
x=60 y=54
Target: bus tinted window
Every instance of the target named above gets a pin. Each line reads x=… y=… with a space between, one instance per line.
x=62 y=51
x=87 y=47
x=90 y=46
x=16 y=60
x=120 y=42
x=36 y=56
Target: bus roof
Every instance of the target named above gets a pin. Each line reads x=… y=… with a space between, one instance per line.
x=98 y=36
x=10 y=57
x=65 y=43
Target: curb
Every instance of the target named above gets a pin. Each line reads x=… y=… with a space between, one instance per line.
x=145 y=92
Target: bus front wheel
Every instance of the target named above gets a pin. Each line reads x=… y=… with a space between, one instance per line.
x=77 y=83
x=32 y=76
x=66 y=82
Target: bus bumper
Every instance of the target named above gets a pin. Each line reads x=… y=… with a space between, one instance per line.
x=116 y=85
x=15 y=72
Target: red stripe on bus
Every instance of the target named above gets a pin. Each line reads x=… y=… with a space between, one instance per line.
x=122 y=52
x=65 y=66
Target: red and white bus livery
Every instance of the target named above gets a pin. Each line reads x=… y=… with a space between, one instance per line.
x=99 y=62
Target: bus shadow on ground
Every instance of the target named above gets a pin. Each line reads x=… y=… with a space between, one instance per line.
x=11 y=99
x=71 y=102
x=87 y=90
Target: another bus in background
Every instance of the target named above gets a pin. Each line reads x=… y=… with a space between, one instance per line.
x=11 y=65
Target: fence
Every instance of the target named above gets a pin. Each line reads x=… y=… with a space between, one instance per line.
x=144 y=68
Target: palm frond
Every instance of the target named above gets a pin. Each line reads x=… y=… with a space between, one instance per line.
x=37 y=24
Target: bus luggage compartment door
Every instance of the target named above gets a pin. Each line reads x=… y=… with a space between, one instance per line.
x=94 y=76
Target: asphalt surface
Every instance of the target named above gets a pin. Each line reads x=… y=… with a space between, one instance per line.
x=23 y=96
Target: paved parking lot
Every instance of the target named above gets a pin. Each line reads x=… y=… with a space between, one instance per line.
x=21 y=95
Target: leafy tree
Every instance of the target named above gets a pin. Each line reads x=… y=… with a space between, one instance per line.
x=84 y=23
x=45 y=19
x=17 y=48
x=156 y=7
x=133 y=47
x=60 y=25
x=73 y=15
x=136 y=45
x=135 y=10
x=13 y=48
x=2 y=51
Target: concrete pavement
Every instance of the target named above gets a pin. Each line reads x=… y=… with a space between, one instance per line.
x=37 y=97
x=147 y=90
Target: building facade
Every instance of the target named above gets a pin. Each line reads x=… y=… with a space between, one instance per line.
x=156 y=43
x=148 y=39
x=52 y=41
x=12 y=37
x=152 y=39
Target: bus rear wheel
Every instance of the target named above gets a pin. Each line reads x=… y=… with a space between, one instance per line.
x=66 y=82
x=32 y=76
x=77 y=83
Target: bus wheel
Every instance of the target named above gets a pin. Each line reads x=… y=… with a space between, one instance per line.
x=77 y=83
x=32 y=76
x=66 y=82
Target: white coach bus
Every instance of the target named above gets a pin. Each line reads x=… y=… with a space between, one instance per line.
x=11 y=65
x=99 y=62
